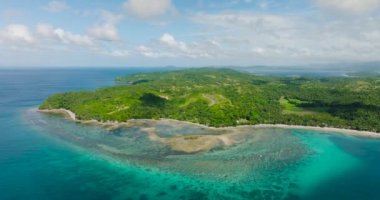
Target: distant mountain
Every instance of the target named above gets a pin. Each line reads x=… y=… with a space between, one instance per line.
x=336 y=69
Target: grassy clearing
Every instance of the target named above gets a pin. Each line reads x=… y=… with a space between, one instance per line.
x=192 y=99
x=216 y=99
x=290 y=107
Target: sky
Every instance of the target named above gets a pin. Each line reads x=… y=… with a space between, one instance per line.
x=188 y=32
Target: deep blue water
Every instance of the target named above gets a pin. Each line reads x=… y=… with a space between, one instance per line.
x=37 y=165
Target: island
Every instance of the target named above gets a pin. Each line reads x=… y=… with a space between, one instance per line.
x=216 y=97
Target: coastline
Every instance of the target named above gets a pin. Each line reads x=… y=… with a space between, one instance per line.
x=68 y=114
x=113 y=124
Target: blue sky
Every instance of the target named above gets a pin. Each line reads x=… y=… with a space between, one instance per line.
x=188 y=32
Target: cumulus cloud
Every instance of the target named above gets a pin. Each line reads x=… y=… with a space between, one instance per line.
x=58 y=36
x=70 y=38
x=66 y=37
x=45 y=30
x=280 y=39
x=170 y=41
x=47 y=38
x=56 y=6
x=106 y=30
x=224 y=37
x=350 y=6
x=150 y=53
x=16 y=33
x=117 y=53
x=148 y=9
x=243 y=20
x=167 y=46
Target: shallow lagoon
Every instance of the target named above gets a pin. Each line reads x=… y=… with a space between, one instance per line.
x=266 y=163
x=46 y=157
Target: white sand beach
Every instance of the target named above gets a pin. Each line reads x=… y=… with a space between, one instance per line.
x=112 y=124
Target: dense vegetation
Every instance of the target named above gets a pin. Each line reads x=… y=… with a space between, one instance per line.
x=225 y=97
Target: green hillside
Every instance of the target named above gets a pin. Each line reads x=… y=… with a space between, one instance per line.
x=225 y=97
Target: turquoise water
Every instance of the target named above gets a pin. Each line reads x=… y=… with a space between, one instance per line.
x=46 y=157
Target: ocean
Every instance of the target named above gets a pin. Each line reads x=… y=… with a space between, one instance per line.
x=47 y=157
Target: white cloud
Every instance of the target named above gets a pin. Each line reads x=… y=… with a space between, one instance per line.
x=58 y=37
x=66 y=37
x=117 y=53
x=148 y=9
x=280 y=39
x=56 y=6
x=227 y=37
x=45 y=30
x=105 y=32
x=61 y=37
x=48 y=39
x=244 y=20
x=350 y=6
x=170 y=41
x=168 y=47
x=16 y=33
x=70 y=38
x=107 y=29
x=150 y=53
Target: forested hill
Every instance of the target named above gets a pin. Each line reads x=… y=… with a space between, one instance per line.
x=225 y=97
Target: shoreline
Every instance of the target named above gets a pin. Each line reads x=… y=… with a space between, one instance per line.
x=113 y=124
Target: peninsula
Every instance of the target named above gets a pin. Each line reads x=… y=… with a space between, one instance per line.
x=226 y=97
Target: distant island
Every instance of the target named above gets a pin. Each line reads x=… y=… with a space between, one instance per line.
x=225 y=97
